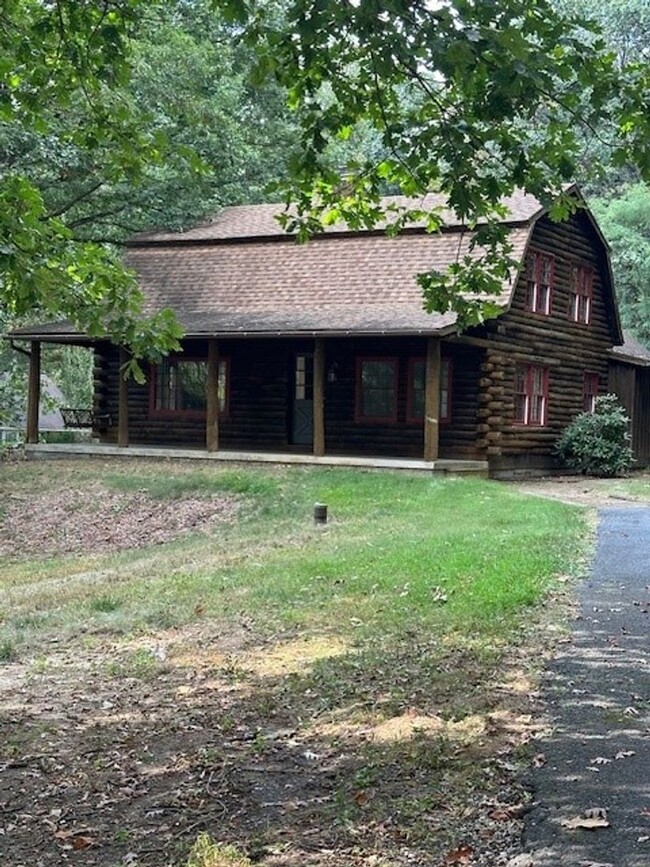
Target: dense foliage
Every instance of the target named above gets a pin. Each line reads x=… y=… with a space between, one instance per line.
x=598 y=443
x=625 y=221
x=118 y=115
x=472 y=99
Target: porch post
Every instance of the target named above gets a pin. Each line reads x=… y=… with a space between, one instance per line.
x=123 y=402
x=432 y=400
x=34 y=391
x=212 y=398
x=319 y=397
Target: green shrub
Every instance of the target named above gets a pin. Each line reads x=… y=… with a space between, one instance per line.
x=598 y=443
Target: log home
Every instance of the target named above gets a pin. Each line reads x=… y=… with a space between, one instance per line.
x=324 y=348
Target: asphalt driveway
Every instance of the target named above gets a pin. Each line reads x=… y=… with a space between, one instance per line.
x=597 y=759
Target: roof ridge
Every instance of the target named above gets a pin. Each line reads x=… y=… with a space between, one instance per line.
x=256 y=221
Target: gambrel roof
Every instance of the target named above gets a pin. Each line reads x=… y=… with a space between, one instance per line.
x=240 y=274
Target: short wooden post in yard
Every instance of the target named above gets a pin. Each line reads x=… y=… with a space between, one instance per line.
x=319 y=398
x=34 y=392
x=432 y=400
x=123 y=402
x=212 y=398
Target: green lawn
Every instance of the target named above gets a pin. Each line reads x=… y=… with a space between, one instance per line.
x=347 y=694
x=401 y=552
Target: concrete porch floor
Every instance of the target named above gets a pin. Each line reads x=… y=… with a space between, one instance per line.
x=71 y=450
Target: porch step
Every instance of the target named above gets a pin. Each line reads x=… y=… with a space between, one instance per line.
x=45 y=450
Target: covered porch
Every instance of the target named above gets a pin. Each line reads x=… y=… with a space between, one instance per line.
x=385 y=402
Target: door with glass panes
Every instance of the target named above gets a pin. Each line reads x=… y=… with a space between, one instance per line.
x=302 y=400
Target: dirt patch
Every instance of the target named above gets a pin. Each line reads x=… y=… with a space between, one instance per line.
x=125 y=754
x=582 y=491
x=97 y=520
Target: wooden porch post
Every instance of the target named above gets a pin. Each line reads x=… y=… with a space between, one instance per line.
x=212 y=398
x=432 y=400
x=319 y=397
x=34 y=391
x=123 y=402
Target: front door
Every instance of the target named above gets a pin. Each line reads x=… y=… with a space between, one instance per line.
x=302 y=400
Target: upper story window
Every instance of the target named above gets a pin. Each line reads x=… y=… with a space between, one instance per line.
x=582 y=287
x=540 y=275
x=376 y=389
x=179 y=385
x=416 y=390
x=531 y=394
x=590 y=388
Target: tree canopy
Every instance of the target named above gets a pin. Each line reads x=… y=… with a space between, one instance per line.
x=471 y=99
x=113 y=115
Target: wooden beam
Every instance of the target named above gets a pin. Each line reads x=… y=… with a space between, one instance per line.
x=123 y=402
x=212 y=398
x=34 y=392
x=432 y=400
x=319 y=397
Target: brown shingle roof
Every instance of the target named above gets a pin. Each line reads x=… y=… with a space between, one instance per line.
x=260 y=221
x=632 y=351
x=240 y=274
x=362 y=283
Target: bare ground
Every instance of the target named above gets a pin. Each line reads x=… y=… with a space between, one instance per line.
x=49 y=523
x=582 y=491
x=122 y=755
x=300 y=750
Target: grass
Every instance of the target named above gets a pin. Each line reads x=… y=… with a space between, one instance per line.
x=207 y=853
x=401 y=552
x=385 y=639
x=636 y=487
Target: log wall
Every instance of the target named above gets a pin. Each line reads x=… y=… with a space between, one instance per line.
x=259 y=415
x=566 y=348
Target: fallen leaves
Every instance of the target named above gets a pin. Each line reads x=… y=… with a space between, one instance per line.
x=75 y=840
x=461 y=855
x=624 y=754
x=507 y=814
x=592 y=819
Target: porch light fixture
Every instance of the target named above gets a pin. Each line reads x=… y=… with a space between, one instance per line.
x=333 y=372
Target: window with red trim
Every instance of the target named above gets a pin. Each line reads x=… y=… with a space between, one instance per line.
x=416 y=390
x=179 y=386
x=376 y=389
x=540 y=276
x=590 y=388
x=582 y=283
x=531 y=394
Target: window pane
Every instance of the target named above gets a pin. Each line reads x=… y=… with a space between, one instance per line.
x=162 y=385
x=181 y=385
x=377 y=392
x=222 y=385
x=520 y=407
x=417 y=396
x=537 y=409
x=191 y=388
x=377 y=374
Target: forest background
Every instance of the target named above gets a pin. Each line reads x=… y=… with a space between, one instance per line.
x=216 y=133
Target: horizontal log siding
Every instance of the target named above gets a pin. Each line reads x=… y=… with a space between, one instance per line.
x=459 y=437
x=343 y=435
x=566 y=348
x=103 y=376
x=259 y=407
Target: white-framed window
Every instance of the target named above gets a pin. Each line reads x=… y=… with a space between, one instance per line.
x=531 y=394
